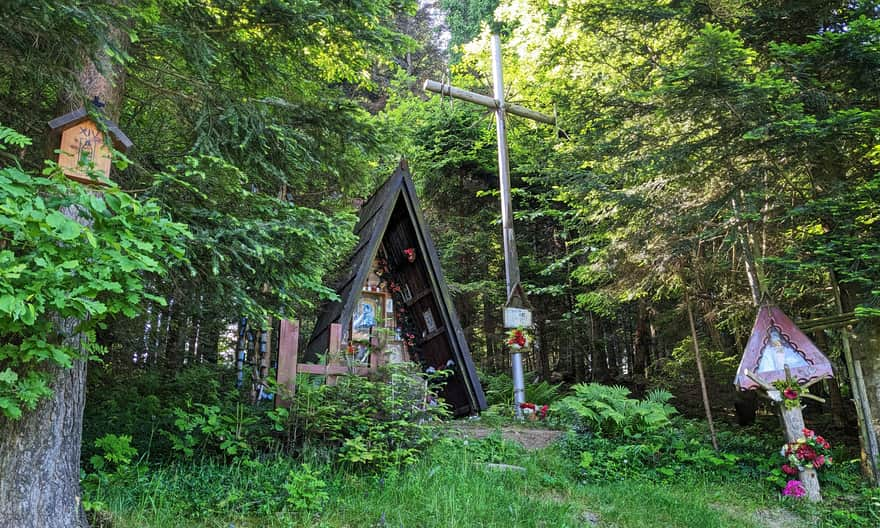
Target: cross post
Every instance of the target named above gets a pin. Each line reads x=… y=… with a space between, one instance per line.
x=511 y=263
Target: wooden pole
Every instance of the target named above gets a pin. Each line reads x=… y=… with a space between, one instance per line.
x=288 y=348
x=793 y=426
x=511 y=263
x=706 y=406
x=867 y=436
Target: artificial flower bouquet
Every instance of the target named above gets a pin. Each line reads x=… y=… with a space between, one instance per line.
x=519 y=339
x=809 y=451
x=533 y=412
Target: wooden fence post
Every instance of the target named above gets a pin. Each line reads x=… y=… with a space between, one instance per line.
x=288 y=348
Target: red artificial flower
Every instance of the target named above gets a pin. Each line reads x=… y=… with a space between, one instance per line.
x=790 y=394
x=544 y=409
x=805 y=452
x=410 y=254
x=527 y=406
x=789 y=470
x=808 y=433
x=351 y=350
x=819 y=462
x=518 y=339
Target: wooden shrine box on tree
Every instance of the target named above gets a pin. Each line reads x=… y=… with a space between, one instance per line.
x=83 y=144
x=393 y=294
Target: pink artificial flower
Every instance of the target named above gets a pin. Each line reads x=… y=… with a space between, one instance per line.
x=808 y=433
x=410 y=254
x=790 y=394
x=794 y=488
x=819 y=461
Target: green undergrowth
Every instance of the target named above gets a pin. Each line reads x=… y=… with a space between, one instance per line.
x=452 y=485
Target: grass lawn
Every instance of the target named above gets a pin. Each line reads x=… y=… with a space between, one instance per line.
x=454 y=485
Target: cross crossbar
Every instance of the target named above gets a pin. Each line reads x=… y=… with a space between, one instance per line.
x=489 y=102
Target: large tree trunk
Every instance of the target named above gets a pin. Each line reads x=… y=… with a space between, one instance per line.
x=39 y=459
x=40 y=452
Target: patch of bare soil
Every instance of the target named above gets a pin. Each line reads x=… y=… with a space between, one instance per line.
x=529 y=438
x=770 y=517
x=778 y=518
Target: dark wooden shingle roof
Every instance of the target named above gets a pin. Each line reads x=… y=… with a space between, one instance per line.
x=395 y=206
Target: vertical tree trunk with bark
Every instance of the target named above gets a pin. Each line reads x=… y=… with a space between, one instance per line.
x=543 y=351
x=640 y=349
x=599 y=360
x=40 y=454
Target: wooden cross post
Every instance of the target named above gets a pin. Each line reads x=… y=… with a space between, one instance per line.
x=793 y=422
x=511 y=263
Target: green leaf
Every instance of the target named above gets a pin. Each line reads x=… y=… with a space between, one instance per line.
x=8 y=376
x=66 y=228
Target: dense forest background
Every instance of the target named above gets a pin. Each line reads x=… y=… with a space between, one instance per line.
x=711 y=153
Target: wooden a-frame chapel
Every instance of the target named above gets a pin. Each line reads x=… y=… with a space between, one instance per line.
x=394 y=302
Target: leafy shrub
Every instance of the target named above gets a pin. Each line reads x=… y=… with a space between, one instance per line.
x=110 y=466
x=117 y=453
x=140 y=403
x=305 y=491
x=208 y=428
x=366 y=423
x=609 y=412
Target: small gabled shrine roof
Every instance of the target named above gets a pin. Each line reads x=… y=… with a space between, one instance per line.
x=776 y=342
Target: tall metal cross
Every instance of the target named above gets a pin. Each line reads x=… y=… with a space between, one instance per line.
x=511 y=263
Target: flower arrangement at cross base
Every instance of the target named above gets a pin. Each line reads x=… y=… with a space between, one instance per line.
x=811 y=451
x=518 y=339
x=795 y=489
x=533 y=412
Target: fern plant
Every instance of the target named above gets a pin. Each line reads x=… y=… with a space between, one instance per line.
x=609 y=411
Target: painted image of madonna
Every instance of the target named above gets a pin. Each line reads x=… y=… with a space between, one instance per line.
x=365 y=316
x=777 y=353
